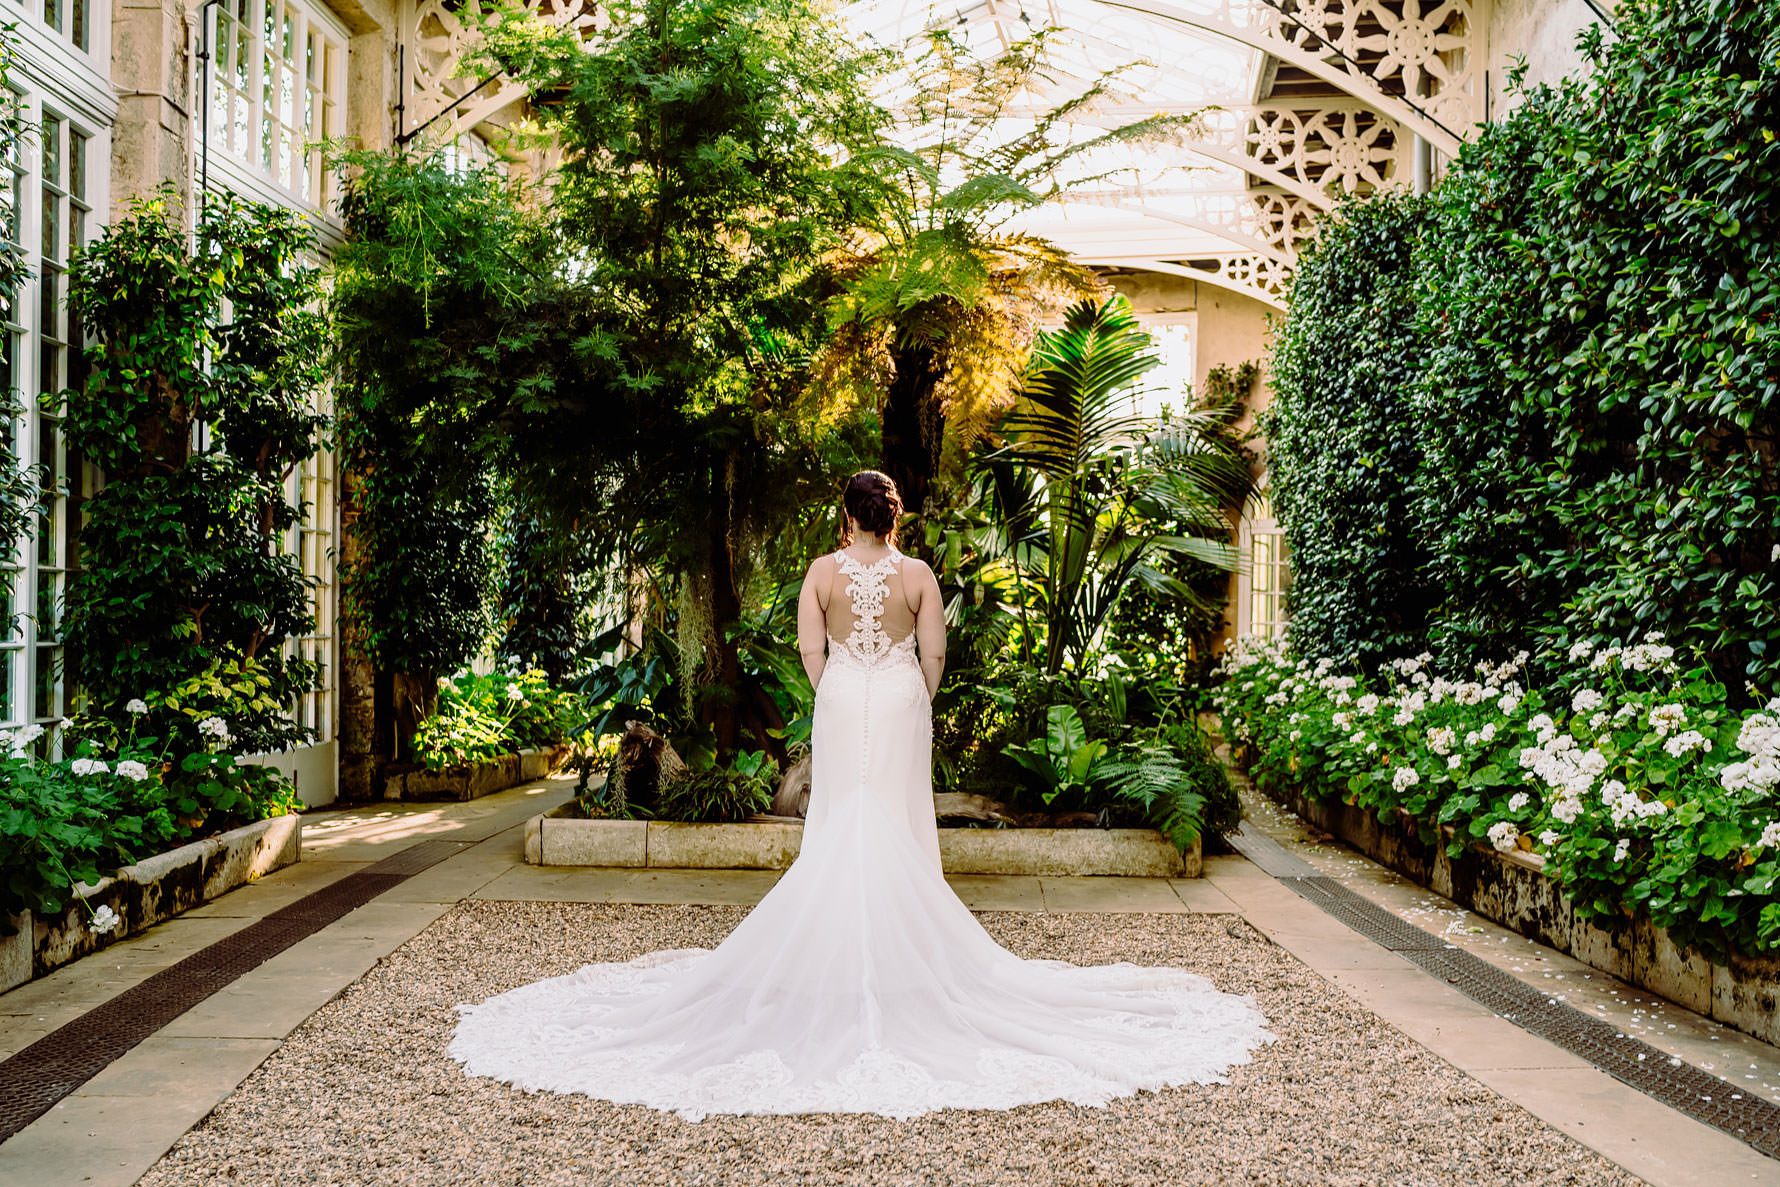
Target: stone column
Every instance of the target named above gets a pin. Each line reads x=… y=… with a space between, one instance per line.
x=152 y=42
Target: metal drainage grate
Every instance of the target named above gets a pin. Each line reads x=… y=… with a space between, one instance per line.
x=1678 y=1084
x=34 y=1079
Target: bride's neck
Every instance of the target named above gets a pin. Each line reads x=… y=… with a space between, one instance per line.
x=865 y=539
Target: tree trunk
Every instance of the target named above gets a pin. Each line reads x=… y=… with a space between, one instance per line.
x=726 y=611
x=914 y=426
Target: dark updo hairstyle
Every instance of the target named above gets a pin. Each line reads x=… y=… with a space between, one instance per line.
x=872 y=502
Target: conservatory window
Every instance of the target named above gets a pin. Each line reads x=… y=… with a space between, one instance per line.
x=50 y=218
x=1261 y=602
x=313 y=539
x=277 y=91
x=70 y=18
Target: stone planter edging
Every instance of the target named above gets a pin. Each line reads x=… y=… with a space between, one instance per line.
x=468 y=781
x=558 y=838
x=1512 y=889
x=151 y=890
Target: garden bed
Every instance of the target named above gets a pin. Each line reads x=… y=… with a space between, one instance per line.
x=148 y=892
x=468 y=781
x=563 y=838
x=1513 y=890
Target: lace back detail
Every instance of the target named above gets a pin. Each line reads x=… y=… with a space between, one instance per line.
x=868 y=643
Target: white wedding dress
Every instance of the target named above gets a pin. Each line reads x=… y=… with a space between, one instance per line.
x=860 y=983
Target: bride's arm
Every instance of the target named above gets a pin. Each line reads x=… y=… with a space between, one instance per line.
x=930 y=626
x=812 y=624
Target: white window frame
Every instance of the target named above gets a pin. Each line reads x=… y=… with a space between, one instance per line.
x=313 y=489
x=270 y=151
x=33 y=651
x=1264 y=575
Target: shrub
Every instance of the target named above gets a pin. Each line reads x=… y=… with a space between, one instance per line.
x=482 y=717
x=1626 y=772
x=183 y=574
x=1542 y=407
x=72 y=820
x=1343 y=444
x=720 y=794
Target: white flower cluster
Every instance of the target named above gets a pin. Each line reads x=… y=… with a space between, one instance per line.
x=1686 y=742
x=1625 y=805
x=136 y=706
x=1504 y=835
x=23 y=737
x=1482 y=737
x=1586 y=700
x=132 y=770
x=88 y=766
x=104 y=920
x=1770 y=835
x=1563 y=766
x=1549 y=837
x=1649 y=656
x=1620 y=850
x=1440 y=739
x=1760 y=740
x=217 y=728
x=1405 y=778
x=1367 y=705
x=1518 y=801
x=1665 y=719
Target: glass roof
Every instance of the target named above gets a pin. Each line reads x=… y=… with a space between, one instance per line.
x=1161 y=202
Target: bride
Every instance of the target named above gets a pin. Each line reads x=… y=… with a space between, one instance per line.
x=860 y=983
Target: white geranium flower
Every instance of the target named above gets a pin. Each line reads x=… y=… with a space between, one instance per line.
x=136 y=706
x=1549 y=837
x=1770 y=835
x=1665 y=719
x=25 y=735
x=104 y=920
x=1504 y=834
x=1759 y=736
x=1581 y=650
x=1509 y=703
x=132 y=770
x=1586 y=700
x=1566 y=809
x=1405 y=778
x=1620 y=850
x=1686 y=742
x=88 y=766
x=514 y=693
x=1440 y=739
x=1295 y=735
x=1518 y=801
x=1758 y=774
x=1452 y=762
x=1366 y=705
x=217 y=728
x=1372 y=748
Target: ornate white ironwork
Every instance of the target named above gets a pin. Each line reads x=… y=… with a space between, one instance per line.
x=1414 y=60
x=438 y=34
x=1261 y=278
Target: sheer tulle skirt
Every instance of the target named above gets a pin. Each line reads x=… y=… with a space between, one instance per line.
x=860 y=983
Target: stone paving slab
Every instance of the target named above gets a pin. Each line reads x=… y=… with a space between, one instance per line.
x=1110 y=894
x=106 y=1134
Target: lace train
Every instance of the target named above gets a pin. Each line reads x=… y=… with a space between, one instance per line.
x=548 y=1036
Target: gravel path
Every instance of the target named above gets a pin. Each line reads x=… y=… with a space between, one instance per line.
x=364 y=1094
